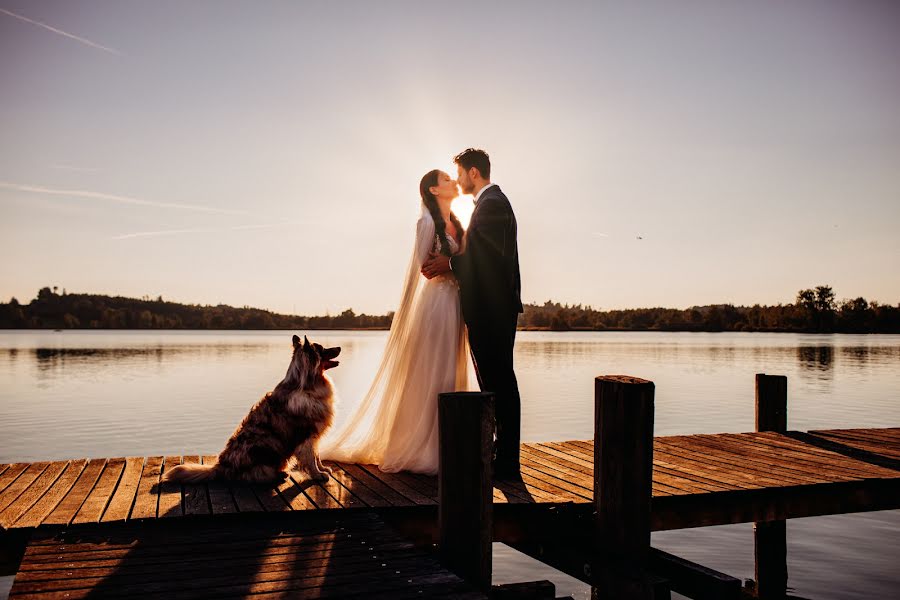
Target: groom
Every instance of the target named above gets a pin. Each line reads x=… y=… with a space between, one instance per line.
x=490 y=294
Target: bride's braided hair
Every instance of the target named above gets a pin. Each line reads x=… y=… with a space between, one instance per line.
x=440 y=227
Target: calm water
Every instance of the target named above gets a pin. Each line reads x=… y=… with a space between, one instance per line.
x=82 y=394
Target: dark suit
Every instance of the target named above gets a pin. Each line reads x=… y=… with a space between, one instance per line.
x=490 y=293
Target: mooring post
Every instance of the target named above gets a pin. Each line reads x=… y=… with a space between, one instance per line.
x=623 y=481
x=465 y=486
x=770 y=537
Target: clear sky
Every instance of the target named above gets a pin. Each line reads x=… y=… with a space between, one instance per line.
x=269 y=153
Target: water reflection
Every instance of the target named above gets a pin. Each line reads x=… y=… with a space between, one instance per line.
x=817 y=361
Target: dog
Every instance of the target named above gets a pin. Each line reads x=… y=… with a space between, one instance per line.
x=287 y=422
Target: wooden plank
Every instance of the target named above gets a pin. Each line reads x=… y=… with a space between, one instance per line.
x=244 y=498
x=861 y=443
x=821 y=456
x=11 y=473
x=195 y=495
x=147 y=498
x=97 y=500
x=269 y=497
x=44 y=506
x=29 y=474
x=67 y=508
x=763 y=457
x=804 y=455
x=314 y=491
x=400 y=485
x=293 y=493
x=393 y=497
x=123 y=497
x=31 y=494
x=573 y=485
x=694 y=580
x=170 y=500
x=357 y=488
x=890 y=437
x=734 y=463
x=220 y=500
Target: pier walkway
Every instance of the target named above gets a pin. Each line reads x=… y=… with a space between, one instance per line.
x=698 y=480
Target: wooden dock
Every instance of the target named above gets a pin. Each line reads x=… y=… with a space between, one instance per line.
x=579 y=505
x=698 y=480
x=354 y=554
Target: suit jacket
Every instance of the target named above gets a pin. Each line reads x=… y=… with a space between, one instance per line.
x=488 y=271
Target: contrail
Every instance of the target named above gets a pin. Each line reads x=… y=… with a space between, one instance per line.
x=128 y=236
x=60 y=32
x=114 y=198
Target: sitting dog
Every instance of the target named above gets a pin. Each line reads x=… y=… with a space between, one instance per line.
x=288 y=421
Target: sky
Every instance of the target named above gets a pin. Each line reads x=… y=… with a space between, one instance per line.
x=268 y=154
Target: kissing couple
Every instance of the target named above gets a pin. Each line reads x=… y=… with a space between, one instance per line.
x=457 y=317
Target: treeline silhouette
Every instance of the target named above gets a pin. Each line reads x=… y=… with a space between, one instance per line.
x=814 y=311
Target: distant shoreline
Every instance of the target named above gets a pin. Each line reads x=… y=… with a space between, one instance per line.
x=814 y=311
x=363 y=329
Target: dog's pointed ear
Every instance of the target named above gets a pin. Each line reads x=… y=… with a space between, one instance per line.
x=296 y=340
x=305 y=343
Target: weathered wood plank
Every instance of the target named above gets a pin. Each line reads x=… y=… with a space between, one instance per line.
x=44 y=506
x=220 y=499
x=373 y=483
x=68 y=507
x=399 y=485
x=146 y=500
x=123 y=497
x=94 y=505
x=357 y=488
x=316 y=491
x=195 y=495
x=269 y=497
x=31 y=494
x=170 y=500
x=760 y=459
x=740 y=464
x=10 y=474
x=28 y=475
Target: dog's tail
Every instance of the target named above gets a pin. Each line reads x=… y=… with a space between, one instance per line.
x=192 y=473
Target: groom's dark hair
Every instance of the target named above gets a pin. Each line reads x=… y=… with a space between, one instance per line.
x=473 y=157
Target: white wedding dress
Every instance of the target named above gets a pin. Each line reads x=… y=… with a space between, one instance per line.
x=395 y=426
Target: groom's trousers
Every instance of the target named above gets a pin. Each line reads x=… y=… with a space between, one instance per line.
x=491 y=342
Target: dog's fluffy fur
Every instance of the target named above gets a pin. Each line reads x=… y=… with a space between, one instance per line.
x=287 y=422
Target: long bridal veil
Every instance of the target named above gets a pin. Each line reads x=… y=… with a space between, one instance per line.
x=395 y=424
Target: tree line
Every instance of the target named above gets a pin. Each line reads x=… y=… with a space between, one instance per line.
x=814 y=310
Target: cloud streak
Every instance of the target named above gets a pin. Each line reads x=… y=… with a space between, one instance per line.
x=37 y=189
x=74 y=168
x=165 y=232
x=62 y=33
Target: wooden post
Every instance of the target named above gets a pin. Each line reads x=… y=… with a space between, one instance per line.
x=771 y=403
x=465 y=486
x=623 y=465
x=770 y=537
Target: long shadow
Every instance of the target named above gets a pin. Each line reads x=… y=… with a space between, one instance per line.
x=845 y=450
x=290 y=553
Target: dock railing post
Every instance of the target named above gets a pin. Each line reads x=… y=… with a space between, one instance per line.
x=465 y=486
x=770 y=537
x=623 y=478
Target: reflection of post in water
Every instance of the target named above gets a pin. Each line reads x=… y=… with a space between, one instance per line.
x=819 y=359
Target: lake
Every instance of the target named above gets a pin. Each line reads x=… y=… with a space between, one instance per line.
x=74 y=394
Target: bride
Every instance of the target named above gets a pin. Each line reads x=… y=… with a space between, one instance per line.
x=427 y=352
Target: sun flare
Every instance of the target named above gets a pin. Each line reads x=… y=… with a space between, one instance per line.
x=462 y=207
